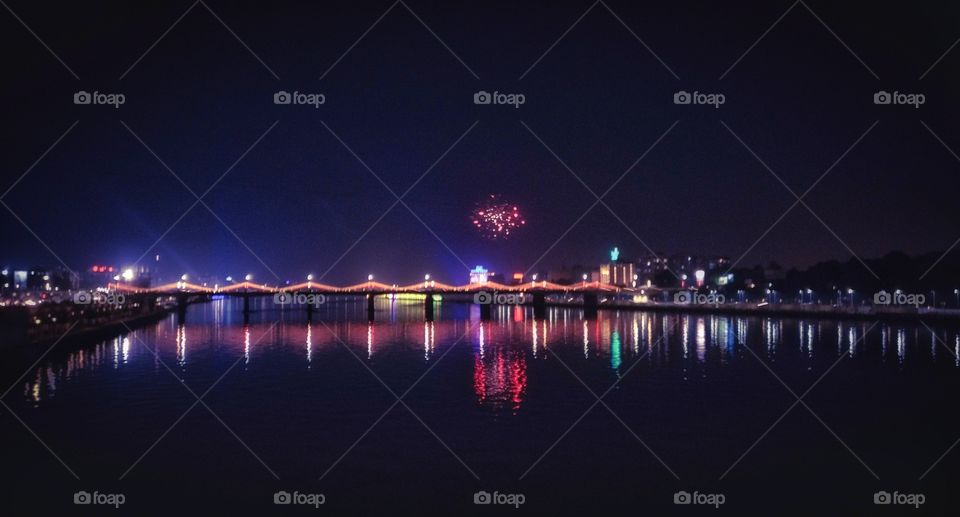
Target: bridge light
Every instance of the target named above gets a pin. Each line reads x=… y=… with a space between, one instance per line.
x=584 y=277
x=310 y=277
x=248 y=278
x=183 y=277
x=426 y=277
x=128 y=274
x=369 y=278
x=229 y=279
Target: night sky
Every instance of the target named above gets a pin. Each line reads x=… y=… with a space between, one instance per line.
x=299 y=199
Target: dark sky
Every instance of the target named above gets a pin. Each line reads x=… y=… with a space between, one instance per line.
x=299 y=199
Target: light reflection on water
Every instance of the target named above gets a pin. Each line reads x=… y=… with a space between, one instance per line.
x=502 y=348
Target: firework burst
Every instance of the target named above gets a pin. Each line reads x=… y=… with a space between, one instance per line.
x=496 y=219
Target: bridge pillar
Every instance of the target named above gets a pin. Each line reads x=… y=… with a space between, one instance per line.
x=181 y=307
x=428 y=307
x=539 y=306
x=485 y=311
x=590 y=304
x=370 y=306
x=309 y=311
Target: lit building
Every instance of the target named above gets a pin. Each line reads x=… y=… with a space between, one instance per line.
x=479 y=275
x=617 y=272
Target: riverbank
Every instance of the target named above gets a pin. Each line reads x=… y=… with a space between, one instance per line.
x=18 y=334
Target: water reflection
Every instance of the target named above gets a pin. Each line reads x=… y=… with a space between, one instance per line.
x=309 y=344
x=429 y=339
x=506 y=353
x=500 y=378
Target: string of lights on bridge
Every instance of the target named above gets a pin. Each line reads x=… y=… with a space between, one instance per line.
x=427 y=285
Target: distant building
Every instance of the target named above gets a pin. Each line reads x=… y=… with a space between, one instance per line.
x=479 y=275
x=651 y=265
x=37 y=279
x=620 y=274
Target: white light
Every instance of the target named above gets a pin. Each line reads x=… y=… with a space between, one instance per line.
x=369 y=278
x=127 y=274
x=426 y=277
x=534 y=277
x=116 y=278
x=229 y=279
x=309 y=277
x=183 y=277
x=700 y=275
x=248 y=278
x=584 y=277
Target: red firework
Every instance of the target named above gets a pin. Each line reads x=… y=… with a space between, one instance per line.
x=496 y=219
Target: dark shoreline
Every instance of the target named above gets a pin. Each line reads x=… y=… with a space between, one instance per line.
x=88 y=335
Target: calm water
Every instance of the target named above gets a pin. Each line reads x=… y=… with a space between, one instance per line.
x=287 y=402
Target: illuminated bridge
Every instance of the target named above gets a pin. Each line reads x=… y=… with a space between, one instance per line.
x=484 y=294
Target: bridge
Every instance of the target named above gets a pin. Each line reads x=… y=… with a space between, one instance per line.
x=534 y=292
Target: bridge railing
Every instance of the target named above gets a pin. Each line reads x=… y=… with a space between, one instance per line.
x=369 y=286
